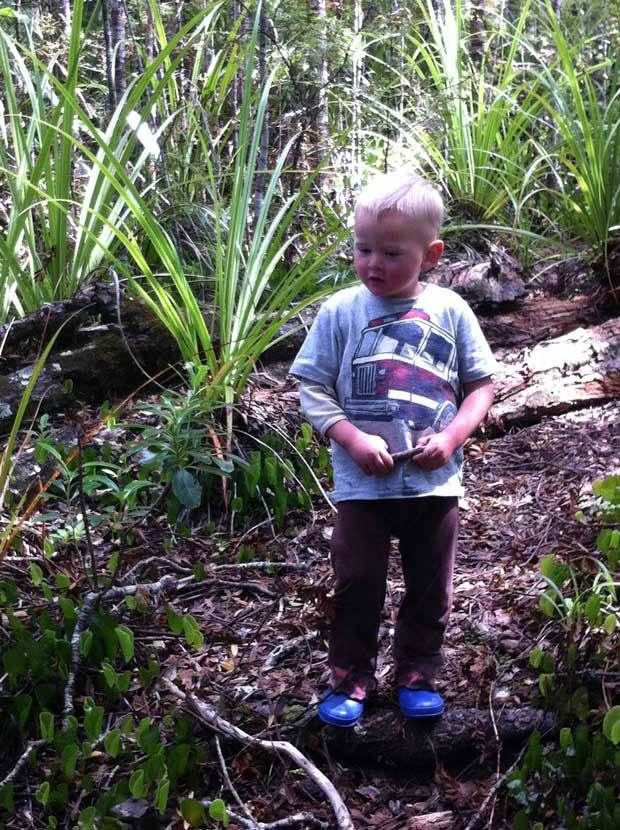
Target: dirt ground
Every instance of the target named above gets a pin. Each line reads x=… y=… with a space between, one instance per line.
x=264 y=657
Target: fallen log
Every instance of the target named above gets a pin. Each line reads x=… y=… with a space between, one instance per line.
x=579 y=369
x=386 y=738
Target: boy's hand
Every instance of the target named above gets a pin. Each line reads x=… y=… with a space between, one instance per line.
x=437 y=451
x=370 y=452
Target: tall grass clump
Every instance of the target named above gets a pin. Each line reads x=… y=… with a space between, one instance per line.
x=56 y=237
x=478 y=146
x=584 y=108
x=252 y=299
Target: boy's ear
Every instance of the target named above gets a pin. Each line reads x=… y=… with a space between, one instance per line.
x=432 y=254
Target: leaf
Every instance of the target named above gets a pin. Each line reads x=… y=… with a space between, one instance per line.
x=546 y=565
x=112 y=742
x=609 y=623
x=126 y=641
x=109 y=672
x=93 y=722
x=536 y=655
x=68 y=758
x=187 y=490
x=36 y=574
x=137 y=785
x=43 y=793
x=546 y=605
x=6 y=798
x=611 y=725
x=593 y=609
x=193 y=634
x=175 y=621
x=193 y=812
x=86 y=641
x=217 y=811
x=62 y=581
x=608 y=489
x=46 y=725
x=161 y=796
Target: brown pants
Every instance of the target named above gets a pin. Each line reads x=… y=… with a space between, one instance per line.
x=426 y=529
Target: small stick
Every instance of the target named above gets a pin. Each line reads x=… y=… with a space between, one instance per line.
x=405 y=455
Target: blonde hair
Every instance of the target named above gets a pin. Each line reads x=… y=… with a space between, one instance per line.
x=411 y=195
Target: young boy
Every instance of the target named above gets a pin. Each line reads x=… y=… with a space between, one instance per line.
x=391 y=365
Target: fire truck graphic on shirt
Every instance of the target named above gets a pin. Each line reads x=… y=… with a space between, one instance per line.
x=401 y=369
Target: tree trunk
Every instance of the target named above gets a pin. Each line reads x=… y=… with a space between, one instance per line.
x=117 y=30
x=322 y=120
x=263 y=152
x=109 y=55
x=358 y=66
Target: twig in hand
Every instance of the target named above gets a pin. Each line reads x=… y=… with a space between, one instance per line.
x=207 y=715
x=405 y=455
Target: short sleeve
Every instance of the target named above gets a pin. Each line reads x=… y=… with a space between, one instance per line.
x=320 y=356
x=475 y=358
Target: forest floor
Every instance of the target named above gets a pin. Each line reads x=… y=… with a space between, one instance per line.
x=264 y=657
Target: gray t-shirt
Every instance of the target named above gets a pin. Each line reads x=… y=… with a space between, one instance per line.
x=398 y=367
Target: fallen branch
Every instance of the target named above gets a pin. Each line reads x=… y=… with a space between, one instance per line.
x=207 y=715
x=21 y=761
x=296 y=820
x=90 y=603
x=282 y=651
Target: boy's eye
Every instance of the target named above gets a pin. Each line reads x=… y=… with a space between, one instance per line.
x=392 y=253
x=362 y=250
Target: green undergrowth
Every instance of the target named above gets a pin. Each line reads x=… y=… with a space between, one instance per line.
x=572 y=780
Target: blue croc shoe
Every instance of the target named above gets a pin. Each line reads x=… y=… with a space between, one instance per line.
x=340 y=710
x=420 y=703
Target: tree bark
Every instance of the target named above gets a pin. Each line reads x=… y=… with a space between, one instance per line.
x=388 y=739
x=567 y=373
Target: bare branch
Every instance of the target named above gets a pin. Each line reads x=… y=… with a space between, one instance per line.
x=207 y=715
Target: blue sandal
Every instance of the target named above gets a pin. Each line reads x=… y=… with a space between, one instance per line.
x=340 y=710
x=420 y=703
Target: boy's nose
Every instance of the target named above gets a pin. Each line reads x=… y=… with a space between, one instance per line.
x=374 y=260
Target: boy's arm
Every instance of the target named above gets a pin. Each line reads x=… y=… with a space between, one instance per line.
x=440 y=446
x=321 y=407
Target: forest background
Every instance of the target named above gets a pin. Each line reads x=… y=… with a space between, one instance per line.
x=203 y=158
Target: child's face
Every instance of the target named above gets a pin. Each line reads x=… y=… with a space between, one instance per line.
x=390 y=255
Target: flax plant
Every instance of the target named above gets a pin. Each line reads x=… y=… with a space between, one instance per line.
x=52 y=244
x=585 y=161
x=479 y=151
x=251 y=305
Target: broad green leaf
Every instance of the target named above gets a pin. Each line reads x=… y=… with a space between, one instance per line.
x=593 y=609
x=112 y=742
x=566 y=738
x=161 y=796
x=611 y=725
x=86 y=641
x=217 y=811
x=93 y=722
x=137 y=785
x=6 y=798
x=109 y=672
x=175 y=621
x=43 y=793
x=36 y=574
x=62 y=581
x=610 y=623
x=126 y=641
x=608 y=489
x=46 y=725
x=69 y=757
x=187 y=489
x=193 y=812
